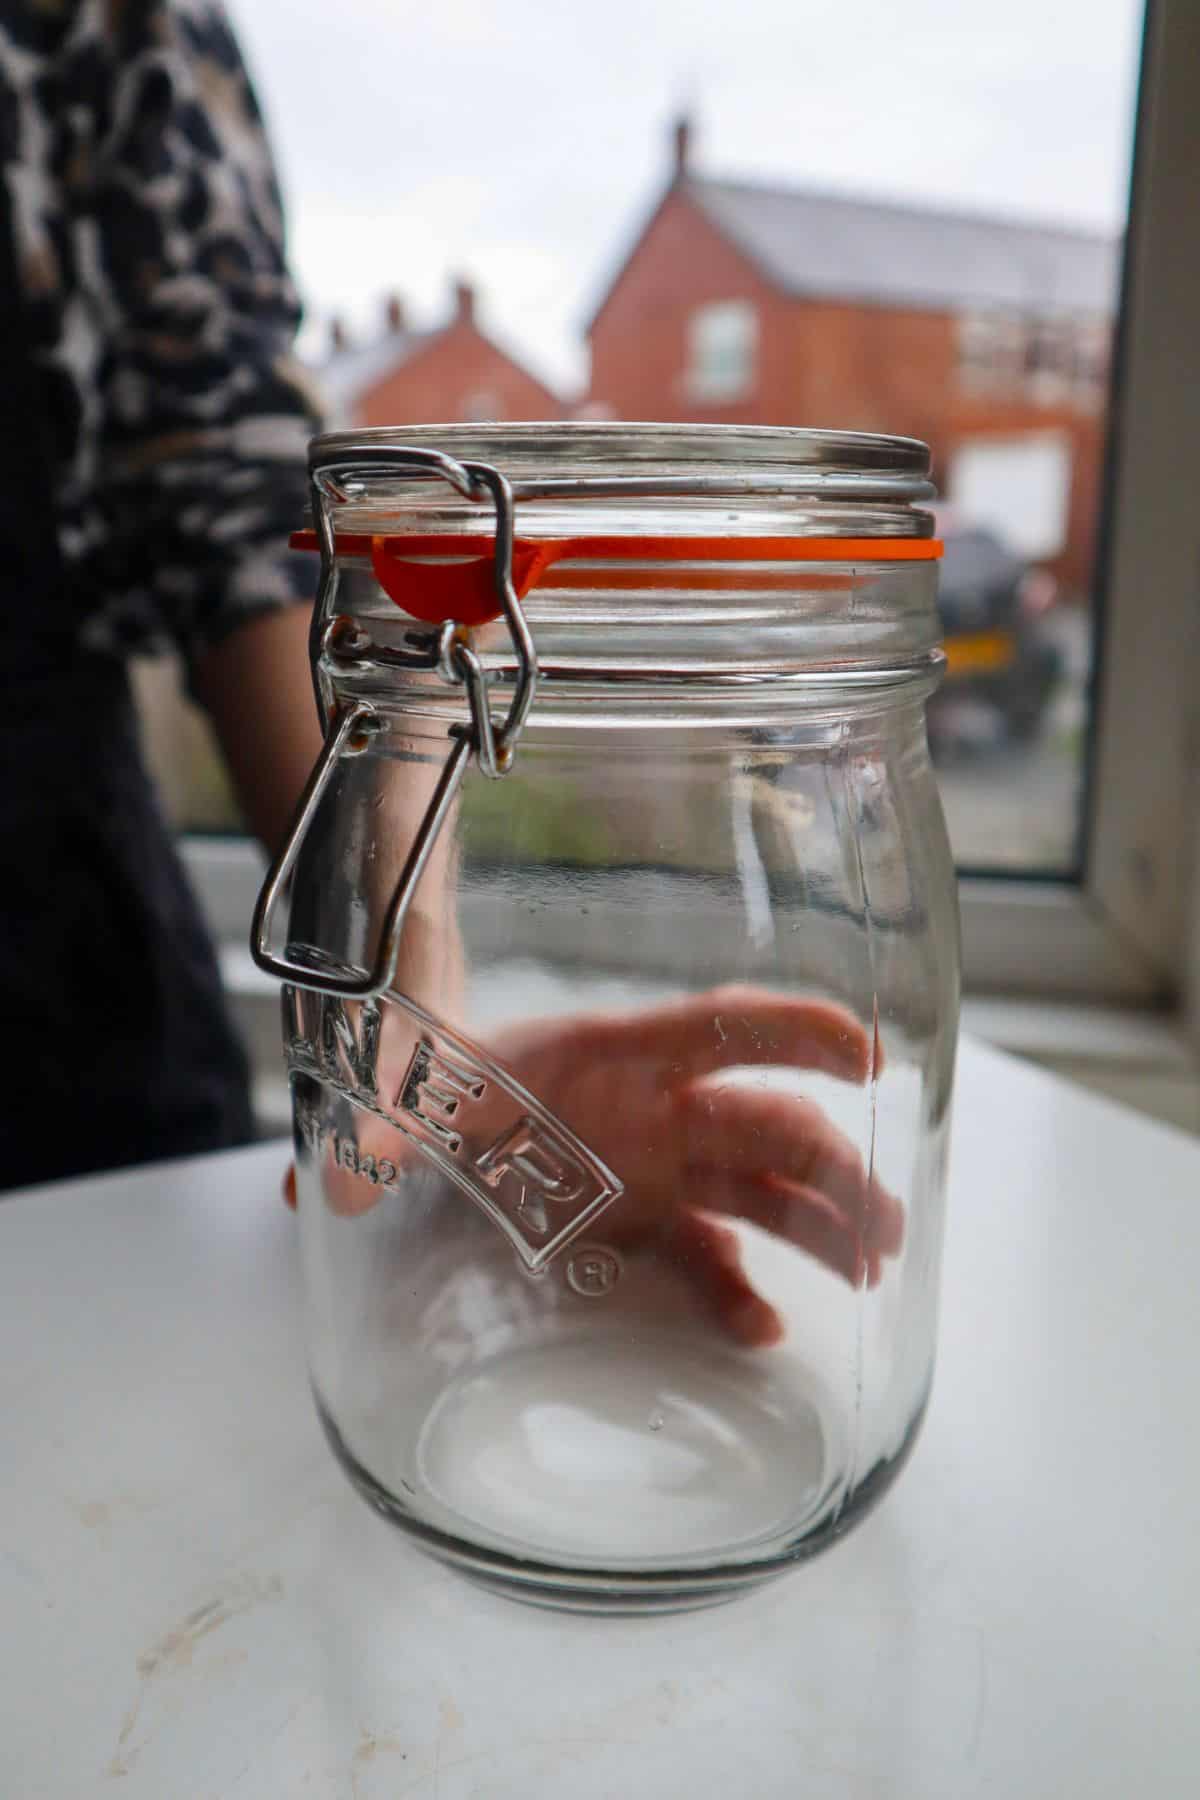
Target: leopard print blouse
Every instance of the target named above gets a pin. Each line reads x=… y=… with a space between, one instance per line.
x=161 y=316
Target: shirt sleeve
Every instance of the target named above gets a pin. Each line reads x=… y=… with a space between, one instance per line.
x=203 y=412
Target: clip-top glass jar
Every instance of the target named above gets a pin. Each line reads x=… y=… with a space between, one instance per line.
x=621 y=1078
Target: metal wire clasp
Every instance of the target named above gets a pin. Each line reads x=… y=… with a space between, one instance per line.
x=335 y=480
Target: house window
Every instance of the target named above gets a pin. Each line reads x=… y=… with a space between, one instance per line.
x=1048 y=357
x=992 y=352
x=479 y=405
x=722 y=350
x=1092 y=350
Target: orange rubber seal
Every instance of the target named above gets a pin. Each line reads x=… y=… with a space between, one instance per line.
x=438 y=575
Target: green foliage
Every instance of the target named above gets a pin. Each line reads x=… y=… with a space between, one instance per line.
x=536 y=820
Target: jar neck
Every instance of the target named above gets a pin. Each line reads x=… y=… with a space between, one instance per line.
x=869 y=623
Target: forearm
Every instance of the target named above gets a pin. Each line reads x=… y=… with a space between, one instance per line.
x=257 y=689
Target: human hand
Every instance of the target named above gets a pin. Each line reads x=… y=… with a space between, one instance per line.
x=651 y=1094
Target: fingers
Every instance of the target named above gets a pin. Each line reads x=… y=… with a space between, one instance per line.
x=710 y=1256
x=348 y=1195
x=734 y=1025
x=356 y=1168
x=343 y=1194
x=798 y=1216
x=749 y=1135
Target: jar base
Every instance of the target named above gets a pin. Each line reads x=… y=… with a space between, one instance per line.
x=480 y=1490
x=651 y=1448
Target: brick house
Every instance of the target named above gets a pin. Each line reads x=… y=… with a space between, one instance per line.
x=988 y=338
x=441 y=376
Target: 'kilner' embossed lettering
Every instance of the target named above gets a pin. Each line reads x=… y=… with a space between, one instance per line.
x=527 y=1170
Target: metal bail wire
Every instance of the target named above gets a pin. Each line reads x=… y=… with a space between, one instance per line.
x=336 y=480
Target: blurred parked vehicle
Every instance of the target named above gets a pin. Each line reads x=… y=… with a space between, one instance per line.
x=1002 y=664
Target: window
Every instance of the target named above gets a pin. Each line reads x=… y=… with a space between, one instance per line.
x=991 y=352
x=479 y=404
x=721 y=349
x=1049 y=358
x=1091 y=361
x=1068 y=788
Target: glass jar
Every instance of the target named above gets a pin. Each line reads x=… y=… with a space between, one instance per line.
x=622 y=992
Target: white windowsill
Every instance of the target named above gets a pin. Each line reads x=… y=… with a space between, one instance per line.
x=1049 y=1030
x=1140 y=1058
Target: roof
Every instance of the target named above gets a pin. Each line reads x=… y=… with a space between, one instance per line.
x=347 y=374
x=838 y=246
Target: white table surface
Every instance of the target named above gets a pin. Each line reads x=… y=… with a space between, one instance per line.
x=193 y=1602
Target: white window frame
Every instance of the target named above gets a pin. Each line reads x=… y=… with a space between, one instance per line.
x=1129 y=931
x=1123 y=932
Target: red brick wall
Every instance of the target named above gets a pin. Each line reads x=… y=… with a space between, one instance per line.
x=639 y=339
x=437 y=383
x=868 y=368
x=820 y=363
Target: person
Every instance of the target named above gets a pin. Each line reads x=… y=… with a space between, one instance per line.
x=152 y=467
x=151 y=474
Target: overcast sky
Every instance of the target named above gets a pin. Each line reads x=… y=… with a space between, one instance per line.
x=522 y=141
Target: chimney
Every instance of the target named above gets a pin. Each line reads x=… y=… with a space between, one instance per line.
x=464 y=303
x=338 y=338
x=683 y=145
x=394 y=314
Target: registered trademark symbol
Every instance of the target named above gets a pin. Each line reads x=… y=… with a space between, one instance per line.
x=593 y=1271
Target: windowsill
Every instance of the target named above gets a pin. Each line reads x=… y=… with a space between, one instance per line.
x=1047 y=1030
x=1139 y=1058
x=1117 y=1036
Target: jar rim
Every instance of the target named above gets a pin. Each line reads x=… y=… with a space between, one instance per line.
x=579 y=457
